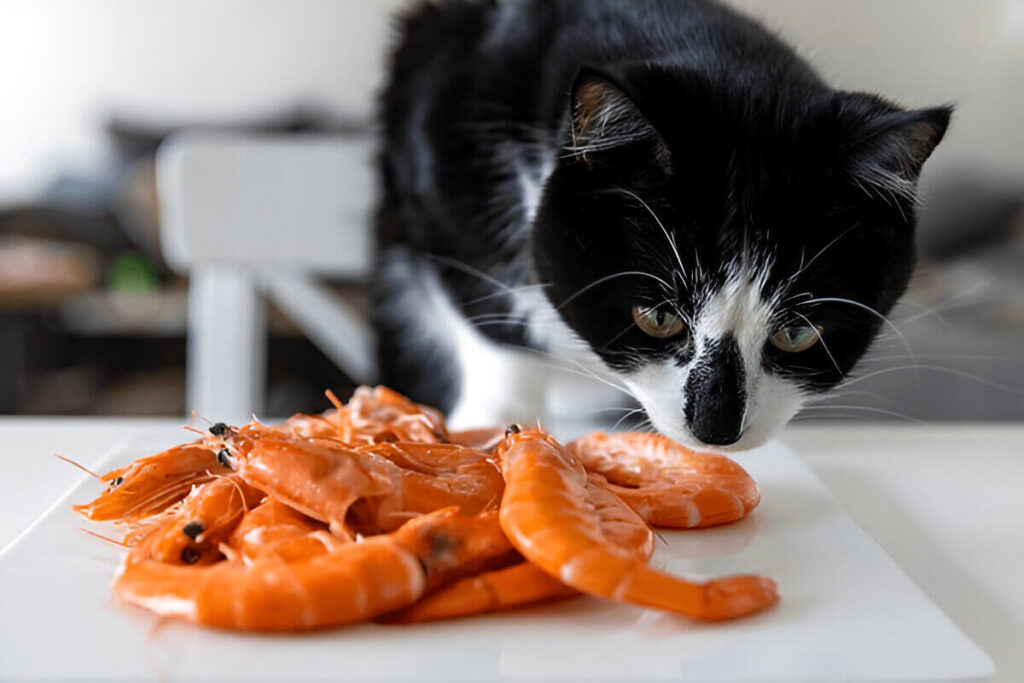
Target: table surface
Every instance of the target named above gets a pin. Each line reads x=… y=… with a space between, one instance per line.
x=944 y=502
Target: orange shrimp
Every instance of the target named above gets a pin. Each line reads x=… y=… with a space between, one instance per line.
x=152 y=484
x=484 y=439
x=311 y=426
x=548 y=518
x=354 y=582
x=525 y=583
x=667 y=484
x=319 y=478
x=325 y=479
x=272 y=529
x=494 y=591
x=426 y=477
x=199 y=524
x=376 y=414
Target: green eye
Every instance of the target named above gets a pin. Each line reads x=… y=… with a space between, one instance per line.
x=796 y=338
x=658 y=323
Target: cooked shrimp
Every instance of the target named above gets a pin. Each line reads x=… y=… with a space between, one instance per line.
x=484 y=439
x=272 y=529
x=501 y=589
x=357 y=581
x=525 y=583
x=319 y=478
x=205 y=519
x=426 y=477
x=376 y=414
x=391 y=482
x=152 y=484
x=666 y=483
x=548 y=518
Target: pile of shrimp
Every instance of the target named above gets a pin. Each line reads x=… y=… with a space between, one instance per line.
x=375 y=510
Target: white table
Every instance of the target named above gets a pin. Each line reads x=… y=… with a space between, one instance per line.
x=945 y=502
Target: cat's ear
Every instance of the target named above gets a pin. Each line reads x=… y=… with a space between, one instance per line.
x=888 y=150
x=605 y=117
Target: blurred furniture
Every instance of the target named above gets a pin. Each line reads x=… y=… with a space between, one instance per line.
x=249 y=217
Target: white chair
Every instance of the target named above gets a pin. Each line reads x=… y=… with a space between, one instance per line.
x=253 y=216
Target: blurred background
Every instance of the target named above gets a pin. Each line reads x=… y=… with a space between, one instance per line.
x=93 y=321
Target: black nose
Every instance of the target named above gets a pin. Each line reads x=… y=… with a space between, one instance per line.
x=716 y=394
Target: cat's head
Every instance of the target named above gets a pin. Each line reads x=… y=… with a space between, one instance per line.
x=729 y=250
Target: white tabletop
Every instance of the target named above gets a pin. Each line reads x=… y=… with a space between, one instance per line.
x=944 y=502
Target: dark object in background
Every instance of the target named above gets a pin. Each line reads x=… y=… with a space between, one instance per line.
x=115 y=343
x=967 y=212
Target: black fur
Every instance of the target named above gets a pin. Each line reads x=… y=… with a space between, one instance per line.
x=731 y=139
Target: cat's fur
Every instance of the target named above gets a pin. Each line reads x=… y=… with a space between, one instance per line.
x=549 y=164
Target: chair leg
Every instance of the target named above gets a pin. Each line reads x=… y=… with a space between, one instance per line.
x=334 y=326
x=226 y=343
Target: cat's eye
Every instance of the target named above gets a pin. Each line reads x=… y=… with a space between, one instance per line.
x=796 y=338
x=657 y=322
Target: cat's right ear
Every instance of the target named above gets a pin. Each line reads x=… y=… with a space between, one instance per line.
x=604 y=117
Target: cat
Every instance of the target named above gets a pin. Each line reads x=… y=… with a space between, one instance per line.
x=661 y=194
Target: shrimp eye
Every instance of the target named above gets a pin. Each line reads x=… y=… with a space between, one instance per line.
x=117 y=481
x=796 y=338
x=218 y=429
x=193 y=529
x=512 y=429
x=224 y=457
x=189 y=555
x=657 y=322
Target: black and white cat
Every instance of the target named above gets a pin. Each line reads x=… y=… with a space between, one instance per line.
x=658 y=192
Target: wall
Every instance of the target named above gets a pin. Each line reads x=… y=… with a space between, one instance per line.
x=65 y=65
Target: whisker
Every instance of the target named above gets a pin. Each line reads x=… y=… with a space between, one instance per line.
x=868 y=409
x=941 y=369
x=668 y=237
x=606 y=278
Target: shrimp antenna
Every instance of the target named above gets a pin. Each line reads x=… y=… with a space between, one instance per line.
x=195 y=430
x=254 y=418
x=120 y=544
x=79 y=466
x=335 y=401
x=195 y=413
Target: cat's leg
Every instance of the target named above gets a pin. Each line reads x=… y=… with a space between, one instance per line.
x=499 y=385
x=414 y=357
x=429 y=351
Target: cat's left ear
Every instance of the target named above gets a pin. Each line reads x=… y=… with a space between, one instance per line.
x=604 y=117
x=888 y=151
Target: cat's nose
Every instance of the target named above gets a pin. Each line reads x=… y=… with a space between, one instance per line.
x=716 y=394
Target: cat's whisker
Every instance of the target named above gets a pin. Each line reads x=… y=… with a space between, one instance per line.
x=494 y=295
x=604 y=279
x=933 y=310
x=828 y=352
x=470 y=270
x=632 y=412
x=866 y=308
x=868 y=409
x=803 y=267
x=936 y=368
x=668 y=237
